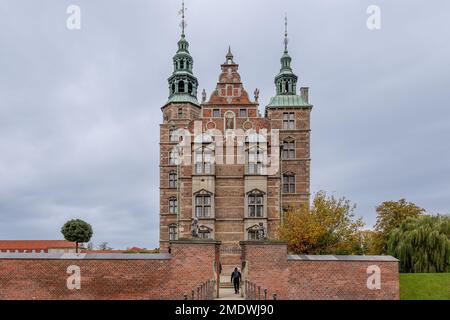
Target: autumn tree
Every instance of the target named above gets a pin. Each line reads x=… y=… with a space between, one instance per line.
x=328 y=227
x=422 y=244
x=390 y=215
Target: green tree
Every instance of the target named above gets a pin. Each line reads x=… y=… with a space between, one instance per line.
x=328 y=227
x=77 y=231
x=422 y=244
x=390 y=215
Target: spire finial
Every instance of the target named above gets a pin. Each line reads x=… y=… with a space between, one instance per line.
x=182 y=12
x=286 y=40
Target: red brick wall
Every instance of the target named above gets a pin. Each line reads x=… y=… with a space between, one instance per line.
x=341 y=280
x=267 y=265
x=169 y=278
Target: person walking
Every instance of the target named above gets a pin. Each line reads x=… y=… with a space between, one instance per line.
x=236 y=279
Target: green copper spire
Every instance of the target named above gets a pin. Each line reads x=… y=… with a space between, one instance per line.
x=286 y=80
x=182 y=83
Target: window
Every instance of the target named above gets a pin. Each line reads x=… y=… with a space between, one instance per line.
x=243 y=113
x=255 y=161
x=173 y=179
x=181 y=64
x=173 y=158
x=181 y=86
x=203 y=206
x=255 y=205
x=289 y=149
x=173 y=135
x=180 y=113
x=173 y=206
x=252 y=235
x=204 y=234
x=216 y=113
x=203 y=158
x=172 y=232
x=289 y=183
x=288 y=121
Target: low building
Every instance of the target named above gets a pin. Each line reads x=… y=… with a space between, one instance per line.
x=37 y=246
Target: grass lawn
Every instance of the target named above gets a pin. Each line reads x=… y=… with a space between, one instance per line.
x=425 y=286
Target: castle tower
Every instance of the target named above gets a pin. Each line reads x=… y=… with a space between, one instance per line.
x=181 y=108
x=290 y=113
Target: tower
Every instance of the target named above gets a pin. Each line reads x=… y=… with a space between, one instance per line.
x=181 y=108
x=290 y=113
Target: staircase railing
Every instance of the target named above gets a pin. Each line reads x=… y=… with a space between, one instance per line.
x=204 y=291
x=255 y=292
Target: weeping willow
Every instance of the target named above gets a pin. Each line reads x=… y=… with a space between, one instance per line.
x=422 y=244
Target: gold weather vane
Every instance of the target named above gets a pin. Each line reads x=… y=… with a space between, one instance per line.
x=182 y=12
x=286 y=39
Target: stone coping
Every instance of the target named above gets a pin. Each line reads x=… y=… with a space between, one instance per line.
x=263 y=242
x=83 y=256
x=195 y=241
x=302 y=257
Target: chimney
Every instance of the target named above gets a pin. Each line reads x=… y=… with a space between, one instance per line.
x=304 y=92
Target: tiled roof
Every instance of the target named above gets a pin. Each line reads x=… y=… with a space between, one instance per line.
x=35 y=244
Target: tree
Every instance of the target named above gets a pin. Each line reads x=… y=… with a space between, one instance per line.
x=77 y=231
x=104 y=246
x=328 y=227
x=390 y=215
x=422 y=244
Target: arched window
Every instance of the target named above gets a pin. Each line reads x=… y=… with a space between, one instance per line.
x=173 y=232
x=289 y=149
x=181 y=64
x=203 y=205
x=289 y=183
x=286 y=86
x=181 y=86
x=173 y=205
x=173 y=179
x=256 y=204
x=173 y=88
x=189 y=88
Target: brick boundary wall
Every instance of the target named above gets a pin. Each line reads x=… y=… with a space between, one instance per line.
x=110 y=276
x=190 y=264
x=301 y=277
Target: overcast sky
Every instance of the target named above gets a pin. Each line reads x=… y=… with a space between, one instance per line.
x=80 y=109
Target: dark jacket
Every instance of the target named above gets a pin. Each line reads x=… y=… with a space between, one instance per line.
x=236 y=276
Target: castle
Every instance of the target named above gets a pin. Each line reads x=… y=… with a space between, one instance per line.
x=225 y=167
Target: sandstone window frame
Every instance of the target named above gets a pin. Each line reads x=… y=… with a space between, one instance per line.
x=205 y=232
x=173 y=234
x=256 y=158
x=255 y=204
x=289 y=149
x=289 y=120
x=289 y=183
x=203 y=193
x=173 y=205
x=203 y=205
x=203 y=160
x=173 y=179
x=252 y=232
